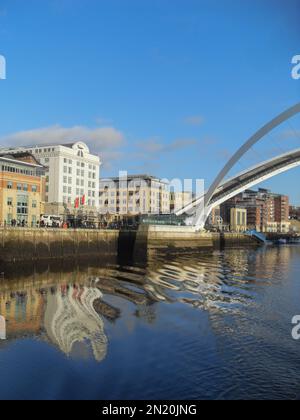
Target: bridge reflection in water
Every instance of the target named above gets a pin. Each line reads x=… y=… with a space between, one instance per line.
x=70 y=308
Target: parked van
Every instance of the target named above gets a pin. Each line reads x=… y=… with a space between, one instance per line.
x=51 y=221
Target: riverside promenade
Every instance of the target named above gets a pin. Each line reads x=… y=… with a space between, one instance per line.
x=27 y=244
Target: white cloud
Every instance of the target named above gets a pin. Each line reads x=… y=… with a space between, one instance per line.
x=105 y=141
x=103 y=121
x=153 y=146
x=195 y=120
x=103 y=137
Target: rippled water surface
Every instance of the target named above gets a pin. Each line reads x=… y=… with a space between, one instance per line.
x=215 y=325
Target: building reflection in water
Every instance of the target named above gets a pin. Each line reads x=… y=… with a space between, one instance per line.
x=62 y=314
x=70 y=318
x=68 y=308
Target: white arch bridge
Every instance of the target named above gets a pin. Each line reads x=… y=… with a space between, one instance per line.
x=220 y=191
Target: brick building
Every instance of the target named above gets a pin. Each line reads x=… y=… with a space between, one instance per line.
x=266 y=211
x=22 y=189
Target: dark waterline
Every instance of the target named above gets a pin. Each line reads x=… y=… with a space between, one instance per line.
x=206 y=326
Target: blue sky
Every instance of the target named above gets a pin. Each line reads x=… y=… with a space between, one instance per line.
x=168 y=87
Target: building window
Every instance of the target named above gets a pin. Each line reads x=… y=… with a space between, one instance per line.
x=22 y=207
x=34 y=204
x=34 y=188
x=19 y=187
x=10 y=202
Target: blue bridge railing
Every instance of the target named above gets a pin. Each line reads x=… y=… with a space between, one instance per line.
x=257 y=235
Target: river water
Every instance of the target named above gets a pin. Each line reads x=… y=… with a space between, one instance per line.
x=214 y=325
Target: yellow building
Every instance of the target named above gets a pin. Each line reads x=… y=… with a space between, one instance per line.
x=238 y=219
x=178 y=200
x=134 y=195
x=22 y=313
x=22 y=189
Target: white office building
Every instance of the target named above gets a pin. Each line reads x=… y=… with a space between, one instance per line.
x=72 y=173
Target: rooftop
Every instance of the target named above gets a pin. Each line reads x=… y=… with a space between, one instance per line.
x=133 y=177
x=45 y=145
x=21 y=157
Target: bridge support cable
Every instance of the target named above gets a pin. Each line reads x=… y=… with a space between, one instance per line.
x=297 y=136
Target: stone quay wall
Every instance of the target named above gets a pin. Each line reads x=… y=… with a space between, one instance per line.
x=22 y=244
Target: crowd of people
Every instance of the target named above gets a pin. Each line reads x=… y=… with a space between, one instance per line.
x=71 y=224
x=16 y=223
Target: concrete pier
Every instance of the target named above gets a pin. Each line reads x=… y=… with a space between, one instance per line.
x=23 y=244
x=180 y=239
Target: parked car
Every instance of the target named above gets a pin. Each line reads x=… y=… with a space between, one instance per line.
x=51 y=221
